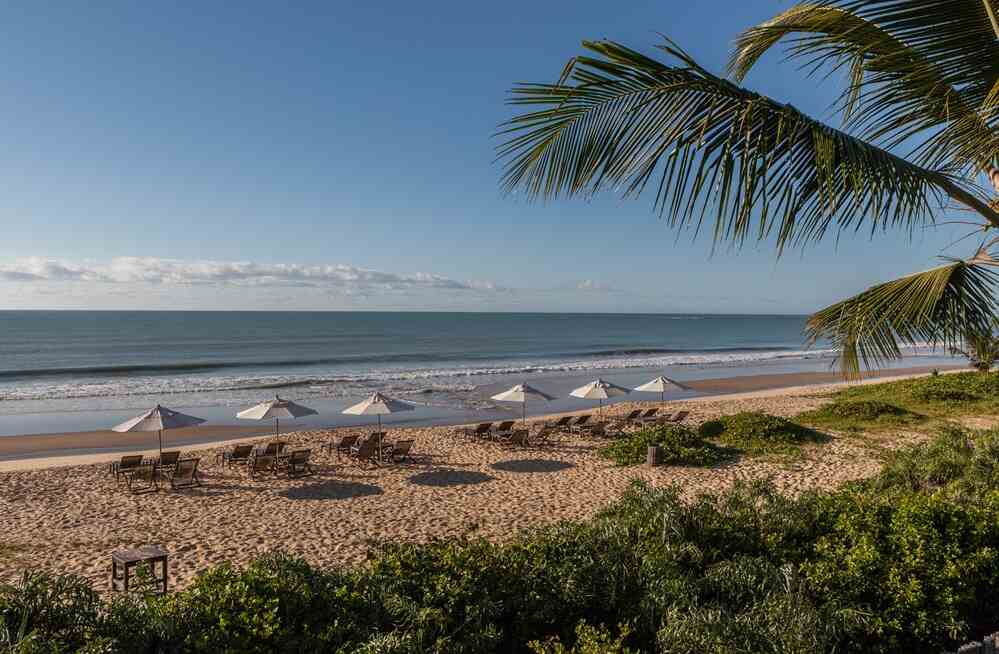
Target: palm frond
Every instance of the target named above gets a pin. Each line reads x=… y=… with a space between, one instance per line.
x=937 y=306
x=911 y=72
x=621 y=120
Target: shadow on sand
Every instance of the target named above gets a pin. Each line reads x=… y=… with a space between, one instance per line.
x=532 y=465
x=334 y=489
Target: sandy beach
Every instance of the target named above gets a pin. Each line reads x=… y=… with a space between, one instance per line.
x=70 y=518
x=42 y=450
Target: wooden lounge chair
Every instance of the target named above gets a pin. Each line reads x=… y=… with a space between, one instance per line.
x=633 y=416
x=273 y=449
x=366 y=450
x=343 y=445
x=298 y=463
x=167 y=461
x=239 y=454
x=679 y=417
x=518 y=437
x=400 y=451
x=262 y=463
x=479 y=430
x=185 y=474
x=593 y=428
x=546 y=435
x=560 y=424
x=650 y=416
x=503 y=430
x=142 y=479
x=128 y=463
x=580 y=422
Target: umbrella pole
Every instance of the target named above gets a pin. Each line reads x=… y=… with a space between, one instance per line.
x=379 y=438
x=277 y=427
x=160 y=433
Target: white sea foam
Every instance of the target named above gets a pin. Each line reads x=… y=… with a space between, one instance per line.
x=335 y=383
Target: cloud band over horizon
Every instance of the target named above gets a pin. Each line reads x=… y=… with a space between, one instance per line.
x=157 y=271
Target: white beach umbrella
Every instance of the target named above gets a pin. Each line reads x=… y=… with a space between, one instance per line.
x=157 y=419
x=661 y=385
x=599 y=390
x=522 y=393
x=276 y=409
x=378 y=405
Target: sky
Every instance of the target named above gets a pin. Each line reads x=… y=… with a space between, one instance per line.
x=340 y=156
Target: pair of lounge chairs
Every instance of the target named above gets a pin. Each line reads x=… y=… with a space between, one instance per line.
x=146 y=477
x=130 y=462
x=375 y=450
x=570 y=423
x=489 y=430
x=346 y=445
x=296 y=464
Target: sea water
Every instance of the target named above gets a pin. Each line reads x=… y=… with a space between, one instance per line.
x=61 y=362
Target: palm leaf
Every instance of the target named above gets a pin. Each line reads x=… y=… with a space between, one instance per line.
x=622 y=119
x=900 y=84
x=937 y=306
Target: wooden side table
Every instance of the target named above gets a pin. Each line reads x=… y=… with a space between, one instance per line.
x=124 y=563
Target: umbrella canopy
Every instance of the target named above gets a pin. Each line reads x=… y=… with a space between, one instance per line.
x=157 y=419
x=599 y=390
x=378 y=405
x=276 y=409
x=661 y=385
x=521 y=393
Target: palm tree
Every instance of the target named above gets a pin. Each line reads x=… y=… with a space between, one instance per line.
x=920 y=138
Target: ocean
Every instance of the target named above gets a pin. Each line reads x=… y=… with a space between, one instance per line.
x=111 y=364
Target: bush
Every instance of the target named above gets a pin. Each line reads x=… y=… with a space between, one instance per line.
x=589 y=640
x=918 y=566
x=759 y=433
x=64 y=609
x=277 y=603
x=855 y=415
x=680 y=444
x=935 y=394
x=863 y=410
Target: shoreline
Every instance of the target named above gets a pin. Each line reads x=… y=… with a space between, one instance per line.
x=38 y=451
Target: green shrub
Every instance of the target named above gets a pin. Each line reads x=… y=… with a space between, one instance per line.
x=863 y=410
x=277 y=603
x=42 y=610
x=934 y=394
x=855 y=415
x=757 y=433
x=589 y=640
x=939 y=462
x=680 y=444
x=917 y=566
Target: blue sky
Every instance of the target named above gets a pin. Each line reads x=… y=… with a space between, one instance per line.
x=339 y=155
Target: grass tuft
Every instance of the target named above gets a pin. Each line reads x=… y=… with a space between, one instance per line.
x=756 y=433
x=858 y=415
x=681 y=446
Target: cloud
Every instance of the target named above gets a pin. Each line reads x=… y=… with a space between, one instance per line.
x=593 y=285
x=151 y=270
